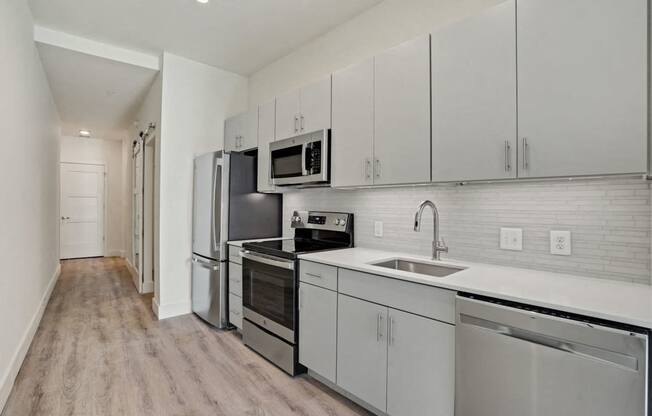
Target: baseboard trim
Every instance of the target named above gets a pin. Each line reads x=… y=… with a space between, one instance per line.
x=115 y=253
x=170 y=310
x=148 y=287
x=7 y=381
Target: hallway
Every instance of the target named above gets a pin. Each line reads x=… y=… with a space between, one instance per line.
x=100 y=351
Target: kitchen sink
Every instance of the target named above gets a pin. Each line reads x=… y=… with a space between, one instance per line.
x=435 y=270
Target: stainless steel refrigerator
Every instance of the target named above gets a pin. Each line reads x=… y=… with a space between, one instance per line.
x=226 y=207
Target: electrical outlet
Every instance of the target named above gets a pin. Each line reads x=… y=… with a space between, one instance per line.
x=378 y=228
x=560 y=243
x=511 y=239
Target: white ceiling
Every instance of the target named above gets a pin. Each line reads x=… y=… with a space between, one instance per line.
x=94 y=93
x=237 y=35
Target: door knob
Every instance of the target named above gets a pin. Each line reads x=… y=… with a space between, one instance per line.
x=65 y=218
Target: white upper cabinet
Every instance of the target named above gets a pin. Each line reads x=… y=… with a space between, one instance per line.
x=304 y=110
x=249 y=138
x=241 y=132
x=474 y=97
x=316 y=106
x=231 y=133
x=402 y=114
x=582 y=87
x=287 y=115
x=352 y=133
x=266 y=124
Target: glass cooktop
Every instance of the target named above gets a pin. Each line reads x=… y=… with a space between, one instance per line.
x=290 y=248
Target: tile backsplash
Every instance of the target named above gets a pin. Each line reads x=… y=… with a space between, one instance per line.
x=609 y=220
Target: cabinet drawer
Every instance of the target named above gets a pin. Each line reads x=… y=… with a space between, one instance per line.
x=234 y=254
x=235 y=279
x=235 y=310
x=423 y=300
x=318 y=274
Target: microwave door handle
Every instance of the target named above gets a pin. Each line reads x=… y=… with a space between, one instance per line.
x=304 y=151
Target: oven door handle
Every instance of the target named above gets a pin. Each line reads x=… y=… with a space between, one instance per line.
x=284 y=264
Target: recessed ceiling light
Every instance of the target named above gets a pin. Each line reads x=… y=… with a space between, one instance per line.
x=84 y=133
x=202 y=1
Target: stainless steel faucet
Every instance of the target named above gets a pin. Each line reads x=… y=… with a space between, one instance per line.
x=438 y=246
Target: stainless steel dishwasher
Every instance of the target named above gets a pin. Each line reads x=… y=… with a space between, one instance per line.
x=516 y=360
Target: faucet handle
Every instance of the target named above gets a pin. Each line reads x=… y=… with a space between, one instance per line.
x=441 y=246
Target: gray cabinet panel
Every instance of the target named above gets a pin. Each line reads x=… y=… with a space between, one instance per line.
x=266 y=127
x=362 y=350
x=353 y=125
x=474 y=97
x=318 y=330
x=420 y=366
x=316 y=106
x=402 y=114
x=582 y=87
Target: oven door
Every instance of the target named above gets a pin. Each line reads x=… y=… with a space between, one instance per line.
x=268 y=293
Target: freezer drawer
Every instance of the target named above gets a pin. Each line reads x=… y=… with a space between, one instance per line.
x=525 y=362
x=209 y=294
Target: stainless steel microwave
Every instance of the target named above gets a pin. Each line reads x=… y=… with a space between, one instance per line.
x=301 y=160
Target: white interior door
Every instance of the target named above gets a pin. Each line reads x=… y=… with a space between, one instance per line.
x=82 y=210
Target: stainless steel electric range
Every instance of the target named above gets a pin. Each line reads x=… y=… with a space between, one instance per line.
x=270 y=283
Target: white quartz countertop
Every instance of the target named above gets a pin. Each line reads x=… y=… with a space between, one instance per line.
x=628 y=303
x=239 y=243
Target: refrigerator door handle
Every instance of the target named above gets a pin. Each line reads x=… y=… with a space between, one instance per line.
x=205 y=264
x=213 y=200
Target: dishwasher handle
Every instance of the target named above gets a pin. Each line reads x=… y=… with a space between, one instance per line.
x=581 y=350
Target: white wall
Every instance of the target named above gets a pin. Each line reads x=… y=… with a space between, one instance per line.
x=108 y=153
x=383 y=26
x=196 y=98
x=29 y=237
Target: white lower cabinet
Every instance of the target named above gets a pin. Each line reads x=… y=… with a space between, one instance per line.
x=362 y=350
x=235 y=294
x=318 y=329
x=420 y=366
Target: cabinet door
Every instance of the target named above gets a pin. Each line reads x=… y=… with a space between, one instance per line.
x=421 y=366
x=287 y=115
x=318 y=329
x=266 y=123
x=249 y=130
x=231 y=133
x=353 y=125
x=474 y=97
x=362 y=350
x=315 y=111
x=402 y=120
x=582 y=87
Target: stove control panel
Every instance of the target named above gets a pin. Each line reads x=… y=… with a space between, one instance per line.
x=334 y=221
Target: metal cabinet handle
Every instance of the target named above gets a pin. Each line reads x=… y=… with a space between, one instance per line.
x=65 y=218
x=367 y=168
x=296 y=123
x=377 y=168
x=508 y=148
x=302 y=122
x=379 y=322
x=391 y=330
x=317 y=276
x=526 y=163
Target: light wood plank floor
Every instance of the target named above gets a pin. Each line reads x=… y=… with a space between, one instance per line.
x=100 y=351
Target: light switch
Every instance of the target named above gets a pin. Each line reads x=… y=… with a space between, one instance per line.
x=511 y=239
x=378 y=228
